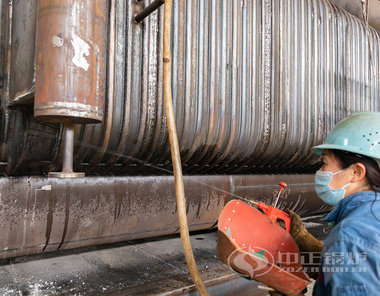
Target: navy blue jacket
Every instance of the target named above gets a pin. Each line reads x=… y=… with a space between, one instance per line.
x=350 y=259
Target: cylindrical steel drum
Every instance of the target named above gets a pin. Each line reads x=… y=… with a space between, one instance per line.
x=70 y=61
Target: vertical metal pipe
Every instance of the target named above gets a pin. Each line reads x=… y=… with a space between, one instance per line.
x=70 y=66
x=68 y=151
x=68 y=155
x=70 y=60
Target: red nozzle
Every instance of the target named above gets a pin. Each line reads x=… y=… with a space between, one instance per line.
x=282 y=184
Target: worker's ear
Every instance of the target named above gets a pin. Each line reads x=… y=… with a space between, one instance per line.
x=358 y=172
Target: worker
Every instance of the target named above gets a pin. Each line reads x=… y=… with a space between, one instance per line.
x=349 y=180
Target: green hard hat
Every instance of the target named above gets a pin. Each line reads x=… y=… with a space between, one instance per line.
x=358 y=133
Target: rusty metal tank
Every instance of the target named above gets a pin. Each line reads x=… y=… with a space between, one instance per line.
x=70 y=61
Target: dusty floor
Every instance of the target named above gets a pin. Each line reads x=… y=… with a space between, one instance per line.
x=145 y=267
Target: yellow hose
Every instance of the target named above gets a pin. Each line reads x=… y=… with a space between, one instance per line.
x=176 y=159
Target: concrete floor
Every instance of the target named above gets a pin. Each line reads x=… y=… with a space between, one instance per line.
x=145 y=267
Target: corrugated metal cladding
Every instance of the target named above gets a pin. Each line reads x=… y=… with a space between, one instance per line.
x=255 y=85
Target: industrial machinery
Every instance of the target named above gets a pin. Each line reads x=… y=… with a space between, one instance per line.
x=256 y=84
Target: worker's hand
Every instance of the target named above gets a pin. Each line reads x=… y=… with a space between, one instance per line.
x=305 y=241
x=296 y=226
x=308 y=245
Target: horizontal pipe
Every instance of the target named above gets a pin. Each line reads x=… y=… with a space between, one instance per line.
x=148 y=10
x=40 y=214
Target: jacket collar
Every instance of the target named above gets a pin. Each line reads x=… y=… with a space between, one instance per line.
x=348 y=204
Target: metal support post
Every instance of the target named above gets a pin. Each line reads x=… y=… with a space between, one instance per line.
x=68 y=155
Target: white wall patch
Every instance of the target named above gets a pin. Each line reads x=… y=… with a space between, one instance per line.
x=81 y=49
x=46 y=187
x=57 y=41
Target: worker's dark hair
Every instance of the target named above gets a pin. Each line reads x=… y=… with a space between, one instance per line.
x=347 y=159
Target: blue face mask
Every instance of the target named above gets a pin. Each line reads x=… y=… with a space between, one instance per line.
x=328 y=195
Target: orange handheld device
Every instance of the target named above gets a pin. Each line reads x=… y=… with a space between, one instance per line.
x=274 y=214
